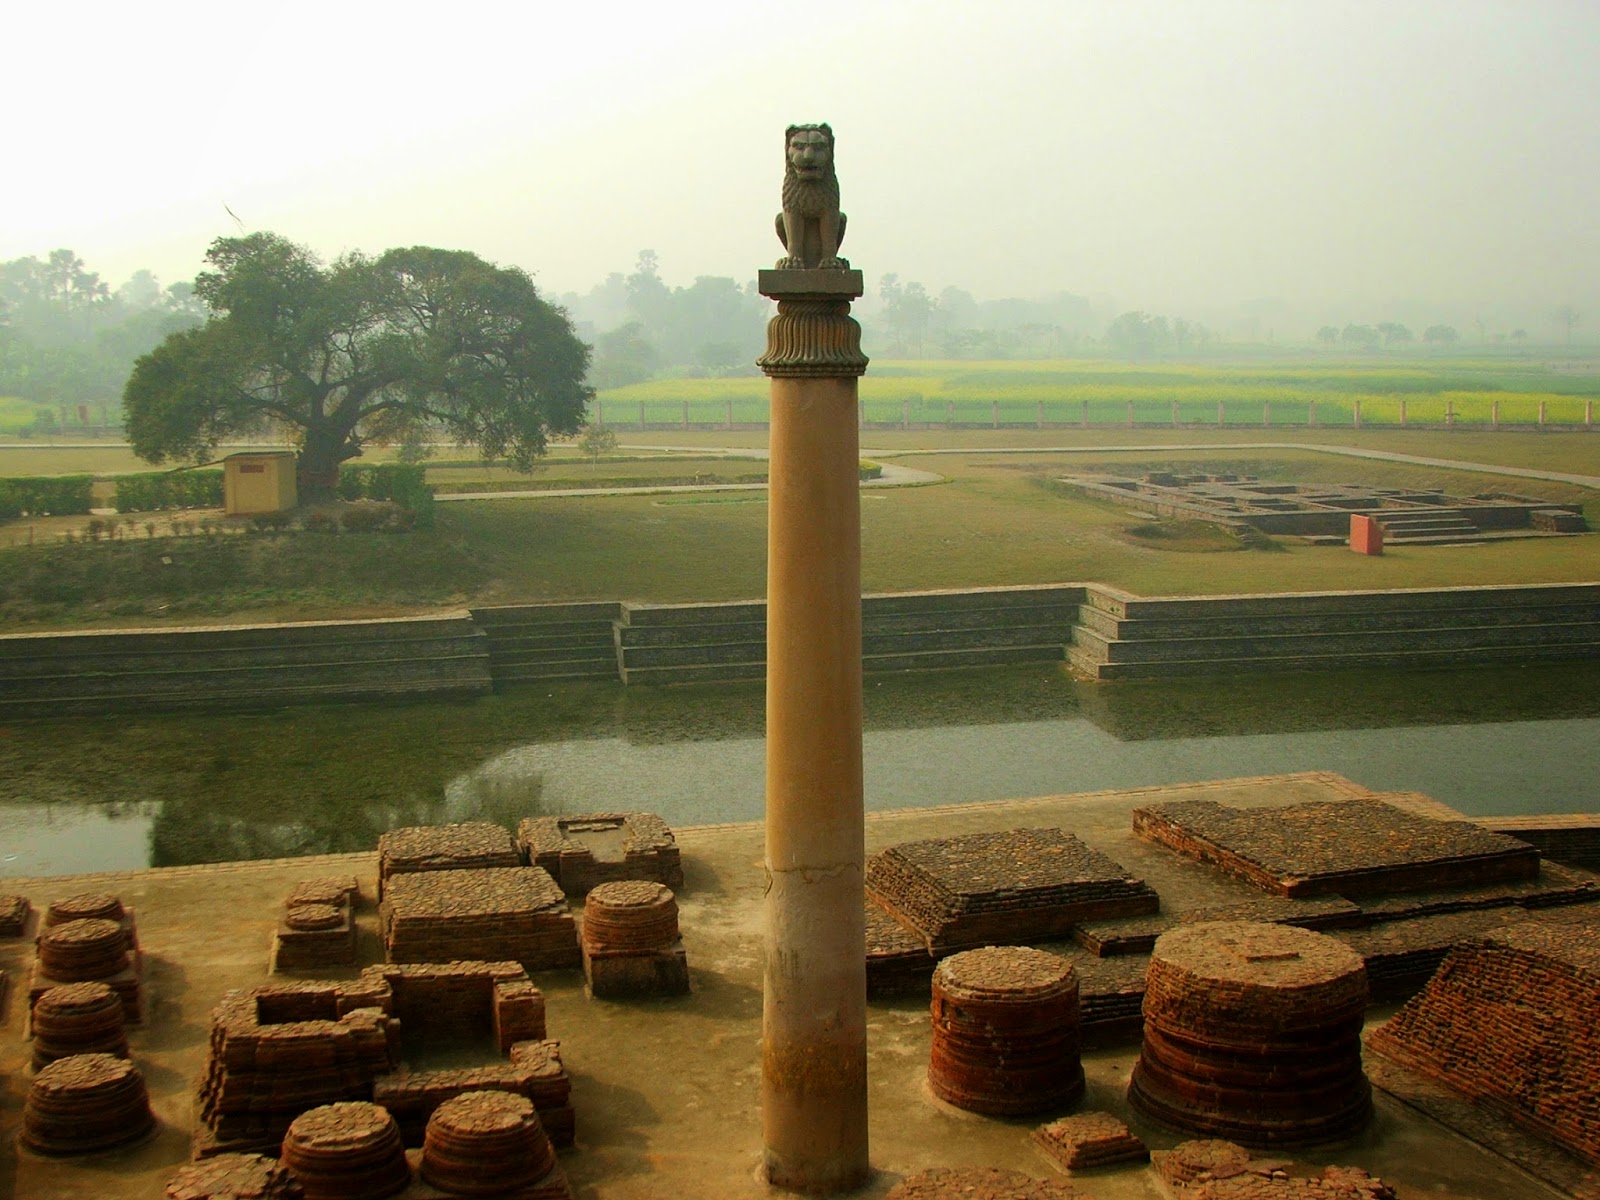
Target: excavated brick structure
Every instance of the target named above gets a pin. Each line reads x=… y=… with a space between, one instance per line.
x=1005 y=1031
x=582 y=851
x=90 y=950
x=78 y=1018
x=86 y=1103
x=15 y=914
x=491 y=1144
x=317 y=927
x=630 y=941
x=1222 y=1170
x=234 y=1177
x=348 y=1151
x=487 y=914
x=1004 y=888
x=1087 y=1140
x=980 y=1183
x=1509 y=1021
x=1253 y=1032
x=467 y=846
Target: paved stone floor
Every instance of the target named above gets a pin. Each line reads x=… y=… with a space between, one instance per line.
x=666 y=1091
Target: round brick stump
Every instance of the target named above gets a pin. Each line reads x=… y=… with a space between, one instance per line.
x=980 y=1183
x=86 y=1103
x=309 y=918
x=78 y=1018
x=84 y=906
x=631 y=914
x=234 y=1177
x=1252 y=1032
x=1006 y=1034
x=346 y=1151
x=486 y=1144
x=82 y=950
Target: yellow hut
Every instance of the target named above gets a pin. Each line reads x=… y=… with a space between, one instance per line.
x=258 y=482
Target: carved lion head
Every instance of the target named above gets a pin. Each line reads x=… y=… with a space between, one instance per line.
x=810 y=151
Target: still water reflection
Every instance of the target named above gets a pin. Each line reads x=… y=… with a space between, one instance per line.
x=115 y=793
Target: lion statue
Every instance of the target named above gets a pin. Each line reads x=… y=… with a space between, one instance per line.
x=810 y=225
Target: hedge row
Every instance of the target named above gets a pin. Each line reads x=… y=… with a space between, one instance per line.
x=403 y=483
x=46 y=495
x=169 y=489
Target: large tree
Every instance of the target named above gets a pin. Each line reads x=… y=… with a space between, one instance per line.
x=361 y=349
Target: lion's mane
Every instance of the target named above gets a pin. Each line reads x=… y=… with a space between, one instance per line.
x=809 y=197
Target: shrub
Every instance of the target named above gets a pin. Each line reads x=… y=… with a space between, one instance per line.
x=403 y=483
x=322 y=520
x=272 y=522
x=376 y=516
x=870 y=469
x=46 y=495
x=169 y=489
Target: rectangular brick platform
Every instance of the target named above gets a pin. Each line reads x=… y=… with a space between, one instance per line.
x=1337 y=847
x=582 y=851
x=490 y=913
x=1002 y=888
x=471 y=844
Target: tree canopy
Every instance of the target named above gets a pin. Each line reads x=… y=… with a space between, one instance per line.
x=360 y=350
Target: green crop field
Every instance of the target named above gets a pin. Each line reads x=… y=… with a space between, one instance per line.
x=1470 y=392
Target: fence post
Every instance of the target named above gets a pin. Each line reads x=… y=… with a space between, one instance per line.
x=1449 y=413
x=949 y=414
x=1541 y=414
x=1130 y=414
x=1084 y=420
x=1358 y=412
x=1494 y=415
x=1041 y=414
x=1219 y=414
x=1266 y=414
x=641 y=416
x=1402 y=412
x=599 y=411
x=994 y=413
x=730 y=414
x=686 y=414
x=1311 y=417
x=905 y=413
x=1588 y=414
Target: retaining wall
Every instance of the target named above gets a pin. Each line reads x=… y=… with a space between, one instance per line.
x=1101 y=632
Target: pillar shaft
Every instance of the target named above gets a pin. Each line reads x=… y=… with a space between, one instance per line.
x=814 y=1038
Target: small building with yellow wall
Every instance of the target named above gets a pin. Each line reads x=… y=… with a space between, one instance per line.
x=259 y=482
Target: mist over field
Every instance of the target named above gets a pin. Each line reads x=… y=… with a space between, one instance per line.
x=1264 y=168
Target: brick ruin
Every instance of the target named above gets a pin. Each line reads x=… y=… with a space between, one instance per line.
x=1253 y=1032
x=1088 y=1140
x=980 y=1183
x=1214 y=1169
x=483 y=1143
x=585 y=850
x=281 y=1049
x=631 y=945
x=1470 y=1029
x=346 y=1151
x=78 y=1018
x=233 y=1177
x=90 y=937
x=469 y=845
x=1337 y=847
x=1002 y=888
x=1005 y=1031
x=486 y=913
x=317 y=927
x=84 y=1104
x=16 y=915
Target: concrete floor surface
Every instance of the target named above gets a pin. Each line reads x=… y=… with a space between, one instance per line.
x=667 y=1092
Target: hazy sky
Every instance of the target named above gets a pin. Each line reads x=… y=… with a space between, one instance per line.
x=1358 y=159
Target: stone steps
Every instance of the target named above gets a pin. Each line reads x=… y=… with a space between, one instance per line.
x=1125 y=637
x=533 y=642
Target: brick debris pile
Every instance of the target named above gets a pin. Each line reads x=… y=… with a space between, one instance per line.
x=1344 y=847
x=1470 y=1029
x=1253 y=1032
x=489 y=913
x=1087 y=1140
x=78 y=1018
x=317 y=927
x=535 y=1072
x=1221 y=1170
x=84 y=1104
x=491 y=1143
x=980 y=1183
x=1005 y=1031
x=276 y=1051
x=570 y=848
x=467 y=846
x=346 y=1151
x=1001 y=888
x=630 y=941
x=234 y=1177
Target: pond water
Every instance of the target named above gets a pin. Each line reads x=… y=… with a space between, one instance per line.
x=113 y=793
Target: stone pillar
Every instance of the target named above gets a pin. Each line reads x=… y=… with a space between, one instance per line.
x=814 y=1027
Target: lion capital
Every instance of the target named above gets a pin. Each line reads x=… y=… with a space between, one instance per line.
x=811 y=227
